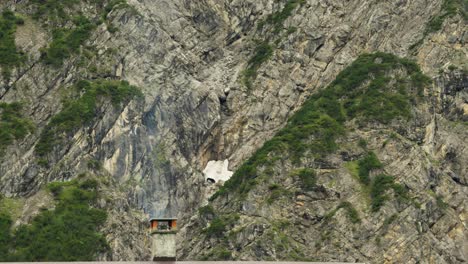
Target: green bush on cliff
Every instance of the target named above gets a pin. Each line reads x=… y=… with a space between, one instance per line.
x=351 y=212
x=53 y=9
x=5 y=236
x=217 y=228
x=57 y=10
x=363 y=91
x=368 y=163
x=70 y=232
x=111 y=5
x=307 y=177
x=262 y=53
x=449 y=9
x=9 y=55
x=67 y=42
x=13 y=125
x=69 y=37
x=380 y=184
x=220 y=224
x=219 y=253
x=264 y=49
x=207 y=211
x=277 y=18
x=82 y=111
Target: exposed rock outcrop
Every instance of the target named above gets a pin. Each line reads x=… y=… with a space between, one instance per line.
x=189 y=59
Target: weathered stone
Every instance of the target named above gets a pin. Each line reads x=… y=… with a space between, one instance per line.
x=188 y=58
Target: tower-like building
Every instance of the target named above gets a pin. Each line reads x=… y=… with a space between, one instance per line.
x=163 y=233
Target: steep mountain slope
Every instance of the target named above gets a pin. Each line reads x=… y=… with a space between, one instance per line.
x=360 y=173
x=180 y=83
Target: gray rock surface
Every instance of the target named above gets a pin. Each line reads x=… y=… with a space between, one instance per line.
x=187 y=57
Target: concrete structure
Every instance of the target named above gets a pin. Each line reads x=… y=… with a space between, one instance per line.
x=163 y=232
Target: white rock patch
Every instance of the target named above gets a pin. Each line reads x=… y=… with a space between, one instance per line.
x=217 y=170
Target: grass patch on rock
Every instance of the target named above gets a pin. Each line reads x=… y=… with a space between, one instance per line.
x=67 y=42
x=10 y=56
x=81 y=111
x=70 y=232
x=376 y=187
x=13 y=125
x=307 y=176
x=449 y=9
x=264 y=49
x=351 y=212
x=262 y=53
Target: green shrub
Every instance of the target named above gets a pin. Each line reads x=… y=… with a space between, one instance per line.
x=111 y=5
x=276 y=194
x=219 y=253
x=262 y=53
x=207 y=210
x=220 y=224
x=441 y=203
x=67 y=233
x=231 y=218
x=217 y=228
x=53 y=9
x=222 y=254
x=380 y=184
x=5 y=236
x=449 y=9
x=55 y=188
x=277 y=18
x=10 y=57
x=308 y=178
x=401 y=193
x=351 y=212
x=82 y=111
x=367 y=164
x=89 y=184
x=94 y=164
x=362 y=143
x=388 y=221
x=13 y=126
x=264 y=50
x=67 y=41
x=274 y=186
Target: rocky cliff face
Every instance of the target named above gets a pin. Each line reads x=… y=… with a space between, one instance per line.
x=218 y=79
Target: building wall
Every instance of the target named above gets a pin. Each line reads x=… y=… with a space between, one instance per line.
x=164 y=246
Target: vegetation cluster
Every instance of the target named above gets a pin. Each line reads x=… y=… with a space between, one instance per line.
x=264 y=48
x=378 y=186
x=81 y=111
x=363 y=92
x=13 y=124
x=10 y=56
x=70 y=232
x=449 y=9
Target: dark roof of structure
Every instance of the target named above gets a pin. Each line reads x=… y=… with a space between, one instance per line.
x=162 y=218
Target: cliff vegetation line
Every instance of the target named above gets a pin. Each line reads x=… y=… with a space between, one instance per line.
x=360 y=92
x=68 y=232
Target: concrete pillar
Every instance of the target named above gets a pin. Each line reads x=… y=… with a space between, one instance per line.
x=163 y=233
x=164 y=246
